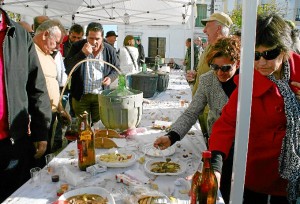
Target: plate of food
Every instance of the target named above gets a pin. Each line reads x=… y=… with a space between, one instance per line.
x=88 y=195
x=150 y=150
x=117 y=158
x=165 y=167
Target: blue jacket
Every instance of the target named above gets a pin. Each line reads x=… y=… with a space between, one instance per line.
x=76 y=55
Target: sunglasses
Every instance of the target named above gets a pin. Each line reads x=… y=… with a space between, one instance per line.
x=224 y=68
x=268 y=55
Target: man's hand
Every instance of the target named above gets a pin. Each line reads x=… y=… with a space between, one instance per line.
x=40 y=147
x=66 y=118
x=87 y=49
x=106 y=81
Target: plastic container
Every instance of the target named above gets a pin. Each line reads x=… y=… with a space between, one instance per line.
x=162 y=81
x=121 y=112
x=145 y=82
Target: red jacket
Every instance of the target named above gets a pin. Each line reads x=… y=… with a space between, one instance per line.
x=66 y=39
x=267 y=129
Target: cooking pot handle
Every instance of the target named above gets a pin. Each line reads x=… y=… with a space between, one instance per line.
x=116 y=100
x=76 y=65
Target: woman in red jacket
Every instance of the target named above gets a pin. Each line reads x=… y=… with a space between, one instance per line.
x=273 y=160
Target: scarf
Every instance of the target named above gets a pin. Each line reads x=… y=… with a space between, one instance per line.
x=289 y=159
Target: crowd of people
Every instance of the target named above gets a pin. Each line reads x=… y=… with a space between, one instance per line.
x=273 y=158
x=34 y=66
x=35 y=62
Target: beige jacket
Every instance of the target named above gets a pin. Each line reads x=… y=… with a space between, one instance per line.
x=50 y=72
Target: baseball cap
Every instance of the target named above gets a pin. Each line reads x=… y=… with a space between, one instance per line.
x=221 y=17
x=111 y=33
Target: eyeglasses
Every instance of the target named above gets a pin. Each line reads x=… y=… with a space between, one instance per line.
x=224 y=68
x=268 y=55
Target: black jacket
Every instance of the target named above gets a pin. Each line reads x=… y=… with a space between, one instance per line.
x=76 y=55
x=25 y=85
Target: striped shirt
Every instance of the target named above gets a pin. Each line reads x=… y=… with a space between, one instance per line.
x=93 y=75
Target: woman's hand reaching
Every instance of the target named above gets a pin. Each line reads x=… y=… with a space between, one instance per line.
x=162 y=142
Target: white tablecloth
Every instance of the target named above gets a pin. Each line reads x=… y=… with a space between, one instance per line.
x=163 y=106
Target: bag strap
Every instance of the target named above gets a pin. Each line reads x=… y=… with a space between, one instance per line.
x=131 y=57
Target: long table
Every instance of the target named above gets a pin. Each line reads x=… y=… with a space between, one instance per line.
x=164 y=106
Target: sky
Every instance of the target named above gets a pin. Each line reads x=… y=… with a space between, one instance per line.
x=109 y=28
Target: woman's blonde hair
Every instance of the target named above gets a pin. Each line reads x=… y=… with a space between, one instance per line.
x=127 y=39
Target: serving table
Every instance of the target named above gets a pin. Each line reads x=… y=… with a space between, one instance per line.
x=161 y=108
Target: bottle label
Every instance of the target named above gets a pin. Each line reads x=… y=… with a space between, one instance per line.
x=85 y=136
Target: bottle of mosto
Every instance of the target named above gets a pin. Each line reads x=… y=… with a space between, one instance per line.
x=195 y=184
x=208 y=186
x=85 y=143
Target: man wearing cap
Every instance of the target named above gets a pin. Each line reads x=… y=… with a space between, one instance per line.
x=111 y=37
x=216 y=26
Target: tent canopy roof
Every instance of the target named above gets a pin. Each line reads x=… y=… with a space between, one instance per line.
x=107 y=12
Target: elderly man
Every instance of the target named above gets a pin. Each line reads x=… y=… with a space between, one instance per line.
x=91 y=77
x=216 y=26
x=47 y=39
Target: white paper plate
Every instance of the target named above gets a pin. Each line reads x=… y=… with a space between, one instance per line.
x=150 y=150
x=151 y=161
x=90 y=190
x=118 y=164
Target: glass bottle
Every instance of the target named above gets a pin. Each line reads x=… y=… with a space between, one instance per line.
x=85 y=143
x=72 y=130
x=208 y=187
x=121 y=90
x=144 y=68
x=195 y=184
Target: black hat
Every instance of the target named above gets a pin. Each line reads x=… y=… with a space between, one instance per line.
x=111 y=33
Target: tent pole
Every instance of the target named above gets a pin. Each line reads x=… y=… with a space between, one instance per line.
x=244 y=100
x=192 y=33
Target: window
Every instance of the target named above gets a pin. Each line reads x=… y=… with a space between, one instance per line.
x=297 y=18
x=157 y=46
x=201 y=14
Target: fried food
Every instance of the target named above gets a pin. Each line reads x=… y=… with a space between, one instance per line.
x=87 y=198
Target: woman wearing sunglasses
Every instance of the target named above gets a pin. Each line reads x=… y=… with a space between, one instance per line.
x=215 y=87
x=273 y=160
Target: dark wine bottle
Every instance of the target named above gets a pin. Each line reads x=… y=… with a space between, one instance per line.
x=195 y=184
x=208 y=187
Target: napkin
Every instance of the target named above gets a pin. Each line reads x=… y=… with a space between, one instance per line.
x=137 y=175
x=70 y=177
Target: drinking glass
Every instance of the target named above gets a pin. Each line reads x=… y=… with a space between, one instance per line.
x=35 y=175
x=50 y=167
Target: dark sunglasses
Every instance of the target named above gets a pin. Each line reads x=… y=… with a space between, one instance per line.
x=224 y=68
x=268 y=55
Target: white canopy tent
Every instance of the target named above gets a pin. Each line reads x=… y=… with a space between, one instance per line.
x=159 y=12
x=107 y=12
